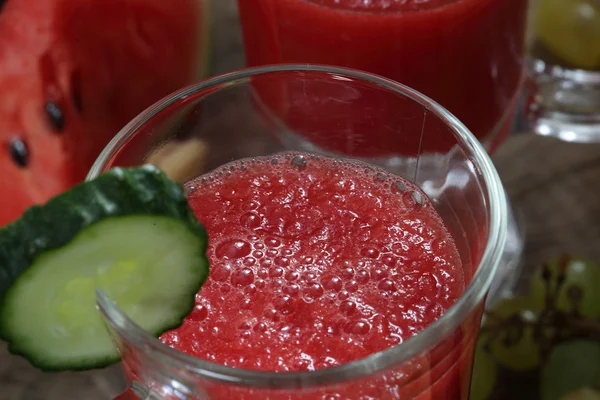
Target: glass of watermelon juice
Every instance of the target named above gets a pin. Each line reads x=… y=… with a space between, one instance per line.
x=331 y=277
x=468 y=55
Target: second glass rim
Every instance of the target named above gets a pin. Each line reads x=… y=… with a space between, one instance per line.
x=473 y=295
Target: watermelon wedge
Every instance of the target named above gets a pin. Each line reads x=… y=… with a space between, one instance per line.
x=74 y=72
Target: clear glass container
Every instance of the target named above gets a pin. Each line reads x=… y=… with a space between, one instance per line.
x=564 y=69
x=467 y=55
x=232 y=116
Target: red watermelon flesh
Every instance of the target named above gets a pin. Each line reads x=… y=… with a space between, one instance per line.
x=74 y=72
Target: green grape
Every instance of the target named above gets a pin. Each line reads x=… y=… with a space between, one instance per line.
x=582 y=280
x=522 y=355
x=514 y=346
x=571 y=30
x=582 y=394
x=571 y=366
x=484 y=375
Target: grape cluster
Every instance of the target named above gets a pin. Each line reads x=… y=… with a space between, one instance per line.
x=550 y=336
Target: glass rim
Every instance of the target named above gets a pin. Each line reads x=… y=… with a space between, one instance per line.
x=473 y=295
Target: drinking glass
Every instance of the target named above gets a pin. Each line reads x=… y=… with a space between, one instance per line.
x=564 y=68
x=214 y=122
x=467 y=55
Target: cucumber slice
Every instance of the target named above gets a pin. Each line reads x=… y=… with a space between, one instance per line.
x=131 y=233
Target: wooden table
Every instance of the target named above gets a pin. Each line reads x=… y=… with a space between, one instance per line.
x=554 y=187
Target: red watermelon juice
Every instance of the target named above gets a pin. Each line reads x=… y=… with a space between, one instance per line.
x=317 y=262
x=465 y=54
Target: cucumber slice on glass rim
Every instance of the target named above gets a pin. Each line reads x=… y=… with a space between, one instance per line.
x=130 y=233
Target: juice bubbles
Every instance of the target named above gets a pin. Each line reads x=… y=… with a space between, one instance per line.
x=465 y=54
x=317 y=262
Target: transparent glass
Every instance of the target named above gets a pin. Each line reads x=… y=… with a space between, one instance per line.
x=564 y=69
x=224 y=118
x=467 y=55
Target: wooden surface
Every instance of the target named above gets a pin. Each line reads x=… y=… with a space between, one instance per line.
x=554 y=187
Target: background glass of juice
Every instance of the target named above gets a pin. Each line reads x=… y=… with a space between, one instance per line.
x=222 y=119
x=467 y=55
x=564 y=66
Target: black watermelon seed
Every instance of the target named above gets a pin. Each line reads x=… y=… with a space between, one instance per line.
x=56 y=116
x=19 y=152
